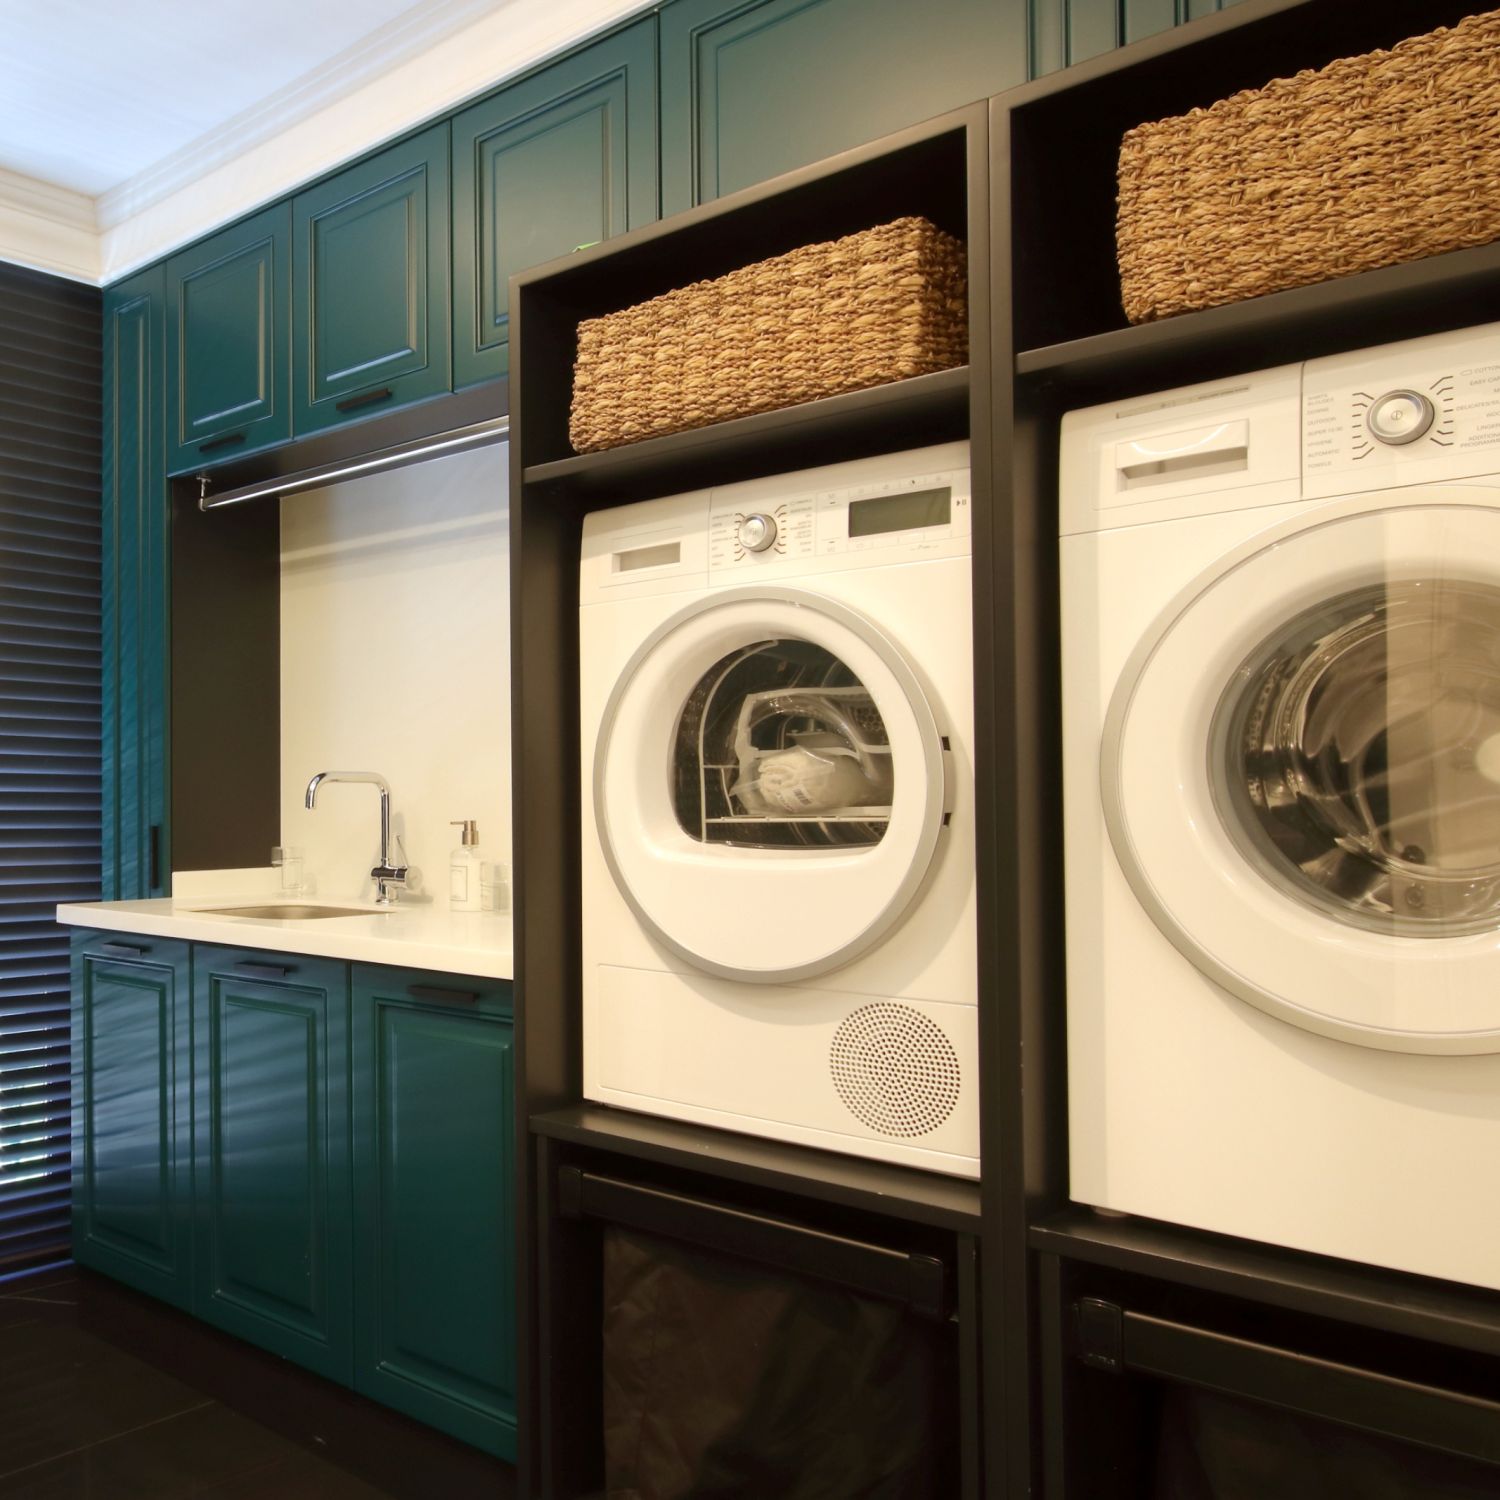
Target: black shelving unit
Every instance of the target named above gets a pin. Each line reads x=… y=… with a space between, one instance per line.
x=939 y=170
x=1061 y=341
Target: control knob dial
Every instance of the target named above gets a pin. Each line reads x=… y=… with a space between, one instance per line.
x=757 y=532
x=1399 y=417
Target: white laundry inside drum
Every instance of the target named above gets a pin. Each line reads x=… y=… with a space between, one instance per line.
x=805 y=761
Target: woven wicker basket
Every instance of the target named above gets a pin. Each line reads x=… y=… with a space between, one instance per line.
x=872 y=307
x=1370 y=161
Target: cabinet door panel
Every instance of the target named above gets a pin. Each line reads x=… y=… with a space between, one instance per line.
x=370 y=285
x=132 y=1117
x=560 y=159
x=435 y=1192
x=228 y=331
x=272 y=1185
x=752 y=88
x=134 y=854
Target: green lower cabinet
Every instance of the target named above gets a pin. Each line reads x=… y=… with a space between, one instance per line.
x=273 y=1261
x=434 y=1193
x=132 y=1112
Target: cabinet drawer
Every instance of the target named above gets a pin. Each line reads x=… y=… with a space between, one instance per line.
x=271 y=1033
x=434 y=1173
x=370 y=276
x=228 y=338
x=132 y=1112
x=565 y=157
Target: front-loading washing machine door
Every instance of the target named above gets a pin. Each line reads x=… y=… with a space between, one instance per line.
x=1301 y=771
x=769 y=784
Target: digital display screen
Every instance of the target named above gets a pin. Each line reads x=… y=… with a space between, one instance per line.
x=902 y=512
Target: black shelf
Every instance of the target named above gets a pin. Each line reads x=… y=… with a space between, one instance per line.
x=874 y=1187
x=1434 y=295
x=1438 y=1312
x=885 y=418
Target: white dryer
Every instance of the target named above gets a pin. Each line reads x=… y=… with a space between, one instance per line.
x=778 y=829
x=1281 y=689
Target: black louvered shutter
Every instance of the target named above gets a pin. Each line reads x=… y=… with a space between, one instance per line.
x=49 y=729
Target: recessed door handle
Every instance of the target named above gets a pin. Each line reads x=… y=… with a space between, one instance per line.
x=228 y=440
x=263 y=971
x=123 y=950
x=366 y=398
x=442 y=996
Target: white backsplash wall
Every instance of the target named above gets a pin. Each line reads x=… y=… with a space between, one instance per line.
x=395 y=652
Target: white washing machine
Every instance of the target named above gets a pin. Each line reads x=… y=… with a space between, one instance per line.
x=1281 y=689
x=778 y=823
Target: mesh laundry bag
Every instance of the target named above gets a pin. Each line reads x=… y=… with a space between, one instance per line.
x=724 y=1380
x=1214 y=1448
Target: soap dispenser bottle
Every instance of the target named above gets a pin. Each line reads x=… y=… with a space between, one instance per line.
x=464 y=866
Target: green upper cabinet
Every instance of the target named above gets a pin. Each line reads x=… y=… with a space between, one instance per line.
x=565 y=157
x=751 y=88
x=271 y=1153
x=228 y=342
x=370 y=309
x=434 y=1193
x=132 y=1112
x=135 y=583
x=1070 y=31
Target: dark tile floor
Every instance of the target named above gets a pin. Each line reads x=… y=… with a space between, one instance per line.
x=105 y=1395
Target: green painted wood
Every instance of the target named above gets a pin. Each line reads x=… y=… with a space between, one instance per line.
x=370 y=285
x=565 y=157
x=434 y=1175
x=751 y=88
x=132 y=1115
x=1068 y=31
x=229 y=342
x=271 y=1149
x=1143 y=18
x=134 y=590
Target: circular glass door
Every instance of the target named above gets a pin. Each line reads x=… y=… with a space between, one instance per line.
x=769 y=784
x=1301 y=772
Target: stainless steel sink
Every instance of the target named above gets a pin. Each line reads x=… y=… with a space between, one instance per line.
x=286 y=910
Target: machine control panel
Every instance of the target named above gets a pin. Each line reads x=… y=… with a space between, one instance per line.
x=1423 y=411
x=881 y=518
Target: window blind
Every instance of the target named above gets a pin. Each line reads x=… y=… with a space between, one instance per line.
x=50 y=435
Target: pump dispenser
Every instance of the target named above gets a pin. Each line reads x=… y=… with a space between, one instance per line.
x=464 y=868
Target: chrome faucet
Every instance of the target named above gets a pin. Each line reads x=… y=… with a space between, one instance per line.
x=385 y=874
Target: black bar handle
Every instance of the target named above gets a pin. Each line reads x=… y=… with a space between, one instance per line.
x=1428 y=1415
x=228 y=440
x=263 y=971
x=365 y=398
x=918 y=1282
x=444 y=997
x=123 y=950
x=155 y=871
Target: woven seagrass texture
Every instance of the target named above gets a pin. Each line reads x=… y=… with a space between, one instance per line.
x=880 y=305
x=1368 y=162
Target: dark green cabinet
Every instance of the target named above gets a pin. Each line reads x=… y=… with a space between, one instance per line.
x=434 y=1194
x=565 y=157
x=228 y=342
x=370 y=303
x=273 y=1254
x=132 y=1112
x=752 y=88
x=134 y=587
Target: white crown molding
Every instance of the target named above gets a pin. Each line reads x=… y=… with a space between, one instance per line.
x=408 y=36
x=506 y=38
x=48 y=228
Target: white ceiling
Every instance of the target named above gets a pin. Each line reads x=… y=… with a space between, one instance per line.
x=94 y=93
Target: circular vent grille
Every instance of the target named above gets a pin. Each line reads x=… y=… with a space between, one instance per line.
x=895 y=1070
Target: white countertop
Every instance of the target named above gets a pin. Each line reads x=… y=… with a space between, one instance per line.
x=415 y=936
